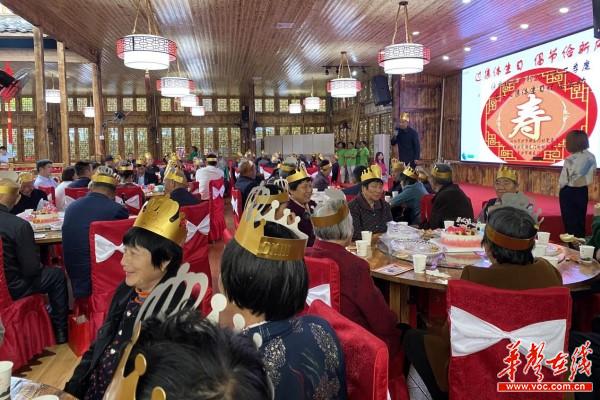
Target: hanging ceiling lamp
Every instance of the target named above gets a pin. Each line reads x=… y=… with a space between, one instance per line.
x=343 y=87
x=295 y=108
x=175 y=85
x=190 y=100
x=146 y=51
x=312 y=102
x=89 y=112
x=197 y=111
x=52 y=95
x=403 y=58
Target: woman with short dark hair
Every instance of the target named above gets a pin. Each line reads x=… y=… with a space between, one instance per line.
x=577 y=174
x=264 y=277
x=152 y=254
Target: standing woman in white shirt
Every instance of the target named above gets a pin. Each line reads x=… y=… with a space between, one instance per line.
x=577 y=174
x=68 y=175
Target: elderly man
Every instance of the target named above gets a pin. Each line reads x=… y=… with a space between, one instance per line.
x=506 y=182
x=247 y=179
x=449 y=202
x=24 y=273
x=44 y=174
x=30 y=197
x=361 y=300
x=369 y=211
x=209 y=173
x=407 y=140
x=176 y=187
x=98 y=205
x=321 y=181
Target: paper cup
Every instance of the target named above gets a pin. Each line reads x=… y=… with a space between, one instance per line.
x=5 y=373
x=394 y=193
x=419 y=263
x=543 y=237
x=366 y=236
x=448 y=224
x=481 y=227
x=552 y=260
x=586 y=253
x=362 y=248
x=539 y=250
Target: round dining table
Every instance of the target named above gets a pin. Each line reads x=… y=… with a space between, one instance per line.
x=24 y=389
x=576 y=275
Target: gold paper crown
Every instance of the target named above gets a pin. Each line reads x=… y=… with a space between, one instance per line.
x=212 y=159
x=250 y=233
x=410 y=172
x=161 y=215
x=331 y=220
x=175 y=176
x=404 y=117
x=25 y=177
x=298 y=175
x=286 y=167
x=397 y=165
x=508 y=173
x=109 y=180
x=373 y=172
x=125 y=168
x=9 y=188
x=148 y=155
x=436 y=173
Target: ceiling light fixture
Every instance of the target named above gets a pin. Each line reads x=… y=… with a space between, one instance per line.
x=295 y=108
x=524 y=26
x=197 y=111
x=493 y=38
x=445 y=58
x=466 y=1
x=89 y=112
x=189 y=100
x=52 y=95
x=343 y=87
x=563 y=10
x=403 y=58
x=467 y=49
x=175 y=85
x=312 y=103
x=354 y=73
x=416 y=33
x=146 y=51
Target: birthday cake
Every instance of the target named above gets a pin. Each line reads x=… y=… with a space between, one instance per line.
x=46 y=215
x=463 y=234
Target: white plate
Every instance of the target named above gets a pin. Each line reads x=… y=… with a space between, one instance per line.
x=552 y=250
x=39 y=235
x=450 y=249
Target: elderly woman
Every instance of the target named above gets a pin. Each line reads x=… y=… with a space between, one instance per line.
x=369 y=211
x=361 y=300
x=300 y=189
x=509 y=238
x=506 y=182
x=152 y=254
x=264 y=277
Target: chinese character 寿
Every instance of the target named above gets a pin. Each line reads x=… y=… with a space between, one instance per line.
x=576 y=67
x=530 y=114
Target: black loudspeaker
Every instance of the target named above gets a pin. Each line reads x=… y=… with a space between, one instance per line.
x=5 y=79
x=245 y=114
x=381 y=90
x=596 y=12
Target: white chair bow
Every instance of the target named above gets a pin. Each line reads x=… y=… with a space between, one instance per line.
x=105 y=248
x=320 y=292
x=134 y=202
x=203 y=228
x=218 y=192
x=234 y=205
x=68 y=200
x=266 y=174
x=470 y=334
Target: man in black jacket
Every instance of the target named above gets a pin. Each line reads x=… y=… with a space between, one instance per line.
x=407 y=139
x=25 y=275
x=247 y=179
x=30 y=197
x=449 y=202
x=176 y=187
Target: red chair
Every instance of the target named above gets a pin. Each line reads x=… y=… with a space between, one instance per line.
x=216 y=190
x=237 y=206
x=426 y=206
x=227 y=235
x=267 y=172
x=194 y=187
x=72 y=194
x=478 y=349
x=50 y=192
x=366 y=355
x=195 y=248
x=312 y=170
x=323 y=281
x=28 y=329
x=350 y=197
x=106 y=250
x=132 y=198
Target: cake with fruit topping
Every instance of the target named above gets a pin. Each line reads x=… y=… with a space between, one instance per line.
x=461 y=236
x=46 y=215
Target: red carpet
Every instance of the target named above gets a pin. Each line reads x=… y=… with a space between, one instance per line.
x=549 y=205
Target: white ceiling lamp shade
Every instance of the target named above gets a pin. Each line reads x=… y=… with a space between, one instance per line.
x=312 y=103
x=198 y=111
x=148 y=52
x=295 y=108
x=343 y=87
x=89 y=112
x=190 y=100
x=52 y=96
x=403 y=58
x=174 y=86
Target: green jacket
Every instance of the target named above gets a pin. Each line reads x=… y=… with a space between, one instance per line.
x=341 y=156
x=363 y=157
x=351 y=156
x=192 y=155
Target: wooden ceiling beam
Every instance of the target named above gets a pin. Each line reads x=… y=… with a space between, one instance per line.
x=26 y=55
